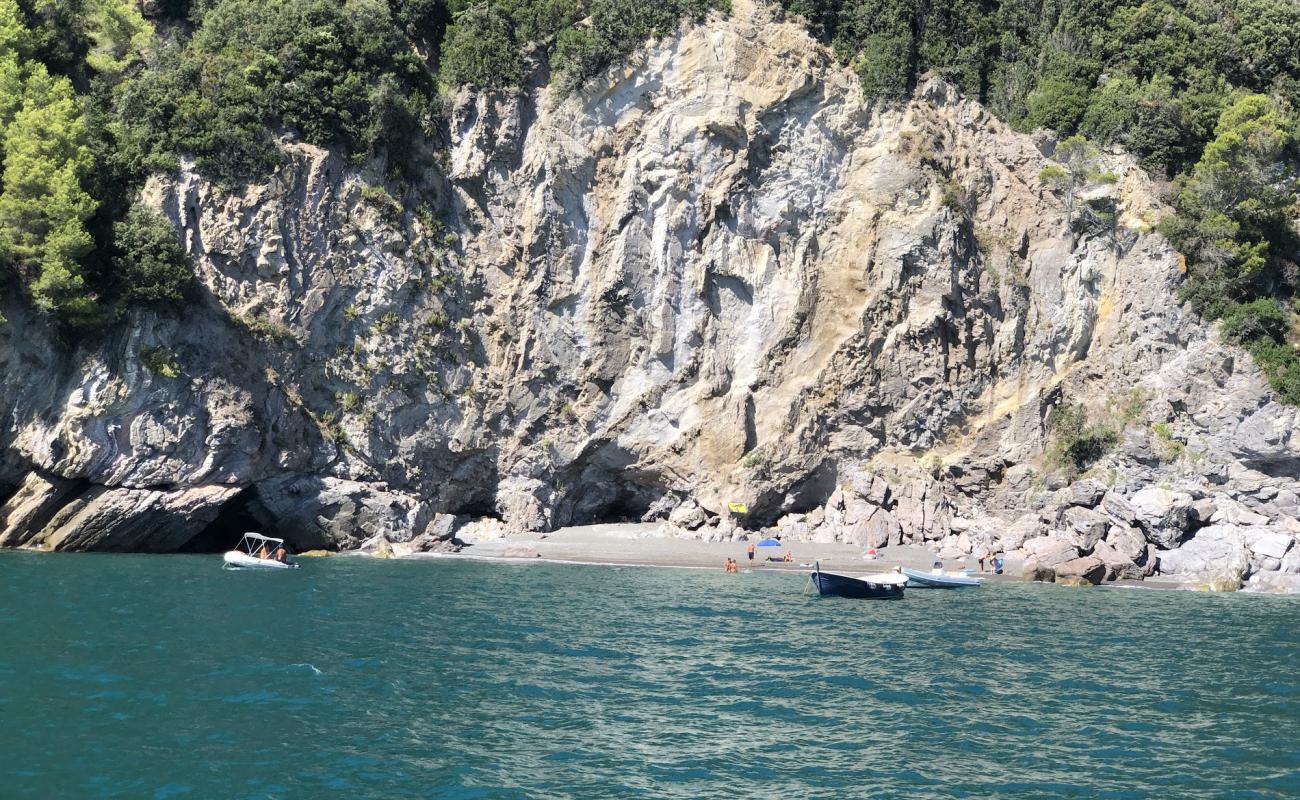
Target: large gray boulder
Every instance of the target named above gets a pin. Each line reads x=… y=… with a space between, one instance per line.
x=1165 y=516
x=877 y=528
x=1087 y=493
x=1026 y=527
x=923 y=512
x=1127 y=541
x=1118 y=565
x=1049 y=551
x=1269 y=544
x=1119 y=508
x=1230 y=512
x=1215 y=550
x=1083 y=527
x=688 y=515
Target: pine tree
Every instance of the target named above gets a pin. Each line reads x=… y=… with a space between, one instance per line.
x=43 y=208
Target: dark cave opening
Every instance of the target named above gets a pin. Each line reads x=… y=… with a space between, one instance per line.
x=7 y=491
x=239 y=515
x=626 y=507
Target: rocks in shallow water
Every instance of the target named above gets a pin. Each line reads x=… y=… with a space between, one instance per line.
x=1275 y=583
x=1074 y=580
x=1223 y=582
x=377 y=546
x=27 y=511
x=1087 y=568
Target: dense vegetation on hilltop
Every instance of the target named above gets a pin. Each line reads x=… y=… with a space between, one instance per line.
x=94 y=96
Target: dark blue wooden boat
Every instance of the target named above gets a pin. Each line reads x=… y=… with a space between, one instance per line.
x=884 y=586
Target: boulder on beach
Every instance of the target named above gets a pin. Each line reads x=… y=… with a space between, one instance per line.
x=1118 y=565
x=1087 y=568
x=1033 y=570
x=1050 y=551
x=1215 y=550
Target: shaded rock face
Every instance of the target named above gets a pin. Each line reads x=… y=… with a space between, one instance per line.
x=721 y=276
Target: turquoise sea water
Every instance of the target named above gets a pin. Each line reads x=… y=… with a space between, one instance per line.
x=165 y=676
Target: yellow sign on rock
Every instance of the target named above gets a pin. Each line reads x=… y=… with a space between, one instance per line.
x=738 y=508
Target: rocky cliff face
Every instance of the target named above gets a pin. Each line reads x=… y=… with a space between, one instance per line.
x=719 y=276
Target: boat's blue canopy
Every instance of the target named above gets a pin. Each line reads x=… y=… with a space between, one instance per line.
x=770 y=543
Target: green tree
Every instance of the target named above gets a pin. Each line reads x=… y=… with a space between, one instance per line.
x=43 y=208
x=13 y=44
x=1236 y=204
x=118 y=35
x=482 y=50
x=152 y=267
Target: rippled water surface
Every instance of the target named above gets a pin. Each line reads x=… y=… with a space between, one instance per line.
x=139 y=676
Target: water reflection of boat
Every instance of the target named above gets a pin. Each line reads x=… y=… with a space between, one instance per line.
x=882 y=586
x=936 y=578
x=245 y=556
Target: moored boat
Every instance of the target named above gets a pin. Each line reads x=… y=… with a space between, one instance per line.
x=881 y=586
x=256 y=551
x=936 y=578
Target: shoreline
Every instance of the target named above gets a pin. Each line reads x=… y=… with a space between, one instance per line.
x=641 y=545
x=646 y=545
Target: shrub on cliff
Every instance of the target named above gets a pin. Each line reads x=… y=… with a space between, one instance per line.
x=1076 y=442
x=152 y=266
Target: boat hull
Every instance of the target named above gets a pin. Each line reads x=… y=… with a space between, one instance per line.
x=929 y=580
x=830 y=584
x=240 y=560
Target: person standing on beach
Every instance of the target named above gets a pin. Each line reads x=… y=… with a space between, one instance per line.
x=749 y=551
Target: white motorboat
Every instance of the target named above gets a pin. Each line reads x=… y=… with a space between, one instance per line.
x=936 y=578
x=256 y=551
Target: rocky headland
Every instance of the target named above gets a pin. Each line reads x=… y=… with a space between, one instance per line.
x=718 y=276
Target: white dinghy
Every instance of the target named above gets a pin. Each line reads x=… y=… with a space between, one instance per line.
x=936 y=578
x=256 y=551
